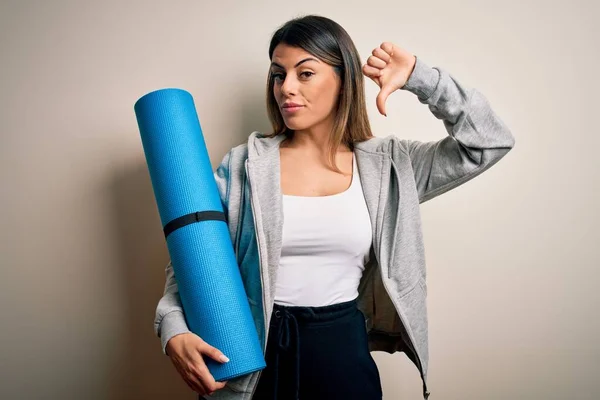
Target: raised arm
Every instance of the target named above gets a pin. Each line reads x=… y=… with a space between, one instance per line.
x=477 y=137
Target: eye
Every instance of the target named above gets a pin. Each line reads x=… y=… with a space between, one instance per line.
x=277 y=76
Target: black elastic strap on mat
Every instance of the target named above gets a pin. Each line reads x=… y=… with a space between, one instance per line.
x=190 y=218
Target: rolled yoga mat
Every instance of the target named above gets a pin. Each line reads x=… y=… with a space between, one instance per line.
x=210 y=286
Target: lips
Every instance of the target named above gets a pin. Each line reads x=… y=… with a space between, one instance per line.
x=291 y=110
x=291 y=105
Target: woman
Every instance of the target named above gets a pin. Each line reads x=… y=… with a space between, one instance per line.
x=325 y=218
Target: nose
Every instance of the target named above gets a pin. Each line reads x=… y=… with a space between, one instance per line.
x=288 y=87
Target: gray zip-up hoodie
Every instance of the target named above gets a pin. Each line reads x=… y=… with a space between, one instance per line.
x=396 y=175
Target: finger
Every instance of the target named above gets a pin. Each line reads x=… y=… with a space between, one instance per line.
x=388 y=47
x=203 y=375
x=382 y=54
x=194 y=384
x=209 y=382
x=375 y=79
x=188 y=375
x=372 y=72
x=220 y=385
x=382 y=97
x=213 y=352
x=216 y=385
x=376 y=62
x=194 y=374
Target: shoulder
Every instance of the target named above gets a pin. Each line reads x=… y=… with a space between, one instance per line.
x=239 y=152
x=256 y=144
x=390 y=145
x=236 y=154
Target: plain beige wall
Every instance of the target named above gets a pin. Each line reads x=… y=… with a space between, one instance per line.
x=512 y=255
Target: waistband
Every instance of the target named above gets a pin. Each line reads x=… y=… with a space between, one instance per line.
x=286 y=319
x=317 y=313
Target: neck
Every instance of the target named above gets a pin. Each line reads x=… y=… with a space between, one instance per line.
x=312 y=141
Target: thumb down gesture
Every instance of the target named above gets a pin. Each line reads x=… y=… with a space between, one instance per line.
x=389 y=67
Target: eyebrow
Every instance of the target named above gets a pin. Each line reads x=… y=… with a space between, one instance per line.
x=274 y=64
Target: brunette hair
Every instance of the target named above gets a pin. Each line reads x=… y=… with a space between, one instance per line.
x=330 y=43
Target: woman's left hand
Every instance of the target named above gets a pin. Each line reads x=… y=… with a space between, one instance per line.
x=389 y=67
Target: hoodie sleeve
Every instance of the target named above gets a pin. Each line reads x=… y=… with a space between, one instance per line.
x=170 y=319
x=477 y=137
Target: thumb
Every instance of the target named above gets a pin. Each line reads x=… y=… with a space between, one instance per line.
x=385 y=91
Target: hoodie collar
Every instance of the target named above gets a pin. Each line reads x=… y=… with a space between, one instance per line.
x=260 y=144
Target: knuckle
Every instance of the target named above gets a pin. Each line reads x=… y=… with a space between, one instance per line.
x=196 y=370
x=192 y=376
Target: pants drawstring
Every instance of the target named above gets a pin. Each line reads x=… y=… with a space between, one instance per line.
x=286 y=328
x=335 y=340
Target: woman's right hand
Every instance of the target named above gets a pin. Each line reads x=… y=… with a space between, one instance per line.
x=185 y=351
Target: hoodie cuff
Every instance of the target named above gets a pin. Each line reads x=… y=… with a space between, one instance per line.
x=423 y=80
x=171 y=325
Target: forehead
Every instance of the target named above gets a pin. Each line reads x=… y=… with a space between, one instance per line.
x=287 y=55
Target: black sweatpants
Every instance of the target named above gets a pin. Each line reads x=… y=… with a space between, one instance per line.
x=318 y=353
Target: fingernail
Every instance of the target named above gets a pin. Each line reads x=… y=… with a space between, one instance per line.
x=224 y=358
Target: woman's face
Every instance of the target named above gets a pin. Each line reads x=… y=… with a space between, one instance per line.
x=301 y=78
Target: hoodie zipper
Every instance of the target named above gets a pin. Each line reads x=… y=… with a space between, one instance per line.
x=239 y=223
x=266 y=325
x=411 y=346
x=410 y=338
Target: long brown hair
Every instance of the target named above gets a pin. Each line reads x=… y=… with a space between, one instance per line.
x=329 y=42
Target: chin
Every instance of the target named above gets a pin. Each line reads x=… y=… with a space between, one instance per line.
x=296 y=125
x=293 y=126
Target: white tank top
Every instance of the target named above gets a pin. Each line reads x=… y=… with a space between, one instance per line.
x=325 y=245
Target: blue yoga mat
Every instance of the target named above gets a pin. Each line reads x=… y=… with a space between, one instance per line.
x=210 y=286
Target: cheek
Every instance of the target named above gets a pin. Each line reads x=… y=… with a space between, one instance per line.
x=320 y=93
x=325 y=97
